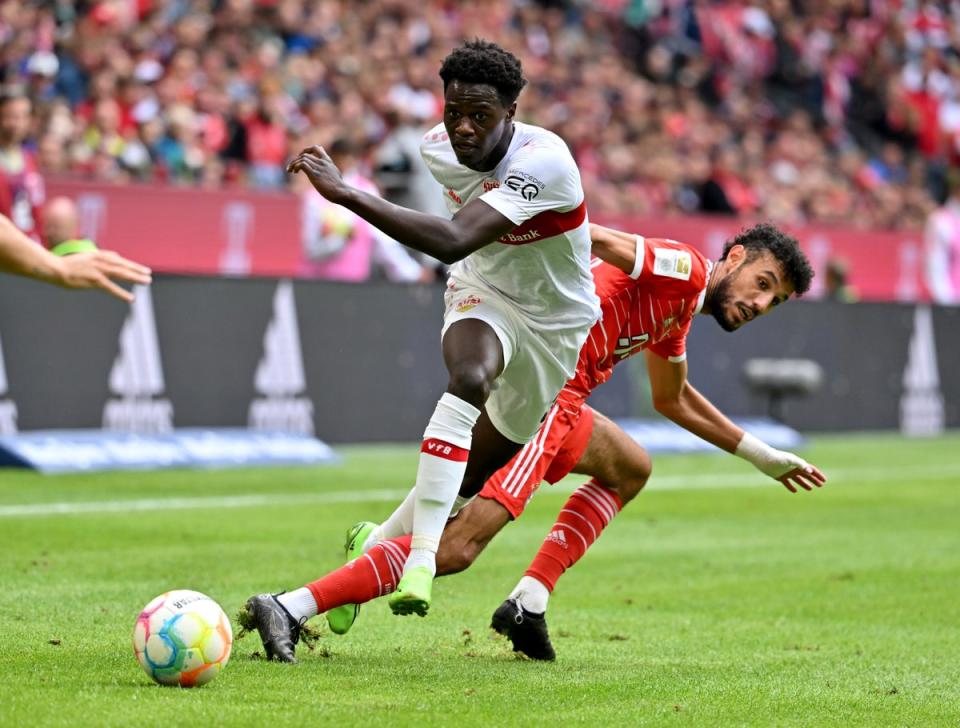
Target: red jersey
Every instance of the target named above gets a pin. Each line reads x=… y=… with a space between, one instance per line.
x=652 y=311
x=22 y=193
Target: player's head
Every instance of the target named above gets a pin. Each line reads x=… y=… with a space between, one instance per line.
x=760 y=269
x=14 y=116
x=59 y=221
x=481 y=83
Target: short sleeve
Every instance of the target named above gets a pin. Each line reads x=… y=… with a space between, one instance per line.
x=540 y=177
x=673 y=348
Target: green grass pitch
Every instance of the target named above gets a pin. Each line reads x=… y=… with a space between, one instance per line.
x=714 y=599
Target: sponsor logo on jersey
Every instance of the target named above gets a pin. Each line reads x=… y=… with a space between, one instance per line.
x=921 y=405
x=280 y=379
x=8 y=408
x=672 y=263
x=468 y=303
x=454 y=196
x=525 y=237
x=627 y=346
x=136 y=377
x=545 y=225
x=526 y=184
x=490 y=184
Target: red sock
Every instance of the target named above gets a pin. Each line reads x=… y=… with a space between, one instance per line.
x=367 y=577
x=585 y=514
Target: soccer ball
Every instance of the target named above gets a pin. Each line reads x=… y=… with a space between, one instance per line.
x=182 y=638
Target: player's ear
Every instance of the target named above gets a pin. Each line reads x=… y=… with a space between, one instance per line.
x=736 y=255
x=511 y=111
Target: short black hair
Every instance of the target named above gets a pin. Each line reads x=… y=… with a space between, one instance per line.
x=783 y=247
x=479 y=61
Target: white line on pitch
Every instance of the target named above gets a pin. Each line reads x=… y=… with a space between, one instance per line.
x=665 y=482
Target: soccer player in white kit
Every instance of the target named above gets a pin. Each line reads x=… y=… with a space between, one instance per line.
x=520 y=300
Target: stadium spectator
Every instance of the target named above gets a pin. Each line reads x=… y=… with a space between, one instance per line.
x=836 y=285
x=61 y=228
x=781 y=97
x=942 y=248
x=21 y=184
x=340 y=245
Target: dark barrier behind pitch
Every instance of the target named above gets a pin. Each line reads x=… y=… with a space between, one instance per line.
x=361 y=363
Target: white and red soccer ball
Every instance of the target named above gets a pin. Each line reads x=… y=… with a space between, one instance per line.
x=182 y=638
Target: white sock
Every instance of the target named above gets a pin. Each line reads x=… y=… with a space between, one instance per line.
x=531 y=594
x=443 y=461
x=399 y=523
x=300 y=603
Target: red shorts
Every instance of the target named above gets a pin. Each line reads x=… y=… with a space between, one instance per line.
x=550 y=455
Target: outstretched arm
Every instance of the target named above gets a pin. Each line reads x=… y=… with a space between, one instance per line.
x=617 y=248
x=22 y=256
x=476 y=225
x=675 y=398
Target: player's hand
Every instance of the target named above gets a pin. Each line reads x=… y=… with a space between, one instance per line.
x=323 y=174
x=805 y=476
x=99 y=269
x=790 y=470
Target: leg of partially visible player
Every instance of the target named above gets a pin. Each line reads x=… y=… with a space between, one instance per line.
x=279 y=618
x=619 y=468
x=459 y=447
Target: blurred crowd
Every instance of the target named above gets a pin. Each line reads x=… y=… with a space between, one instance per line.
x=830 y=111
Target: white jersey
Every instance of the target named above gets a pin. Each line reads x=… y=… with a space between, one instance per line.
x=542 y=266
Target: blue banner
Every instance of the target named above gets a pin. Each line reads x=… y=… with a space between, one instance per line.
x=72 y=451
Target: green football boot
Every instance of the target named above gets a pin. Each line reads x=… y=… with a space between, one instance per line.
x=340 y=619
x=413 y=592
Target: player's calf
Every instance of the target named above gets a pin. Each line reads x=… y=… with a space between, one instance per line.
x=467 y=535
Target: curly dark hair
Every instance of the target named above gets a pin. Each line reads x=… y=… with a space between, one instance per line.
x=784 y=248
x=479 y=61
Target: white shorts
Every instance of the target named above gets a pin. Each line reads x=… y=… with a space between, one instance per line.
x=536 y=363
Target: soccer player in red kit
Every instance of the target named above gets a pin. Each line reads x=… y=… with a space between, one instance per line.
x=650 y=290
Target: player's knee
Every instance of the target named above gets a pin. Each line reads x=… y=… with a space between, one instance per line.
x=633 y=476
x=470 y=382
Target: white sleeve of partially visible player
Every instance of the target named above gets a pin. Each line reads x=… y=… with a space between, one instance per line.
x=537 y=180
x=937 y=261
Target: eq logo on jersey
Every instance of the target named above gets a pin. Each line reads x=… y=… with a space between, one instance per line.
x=526 y=184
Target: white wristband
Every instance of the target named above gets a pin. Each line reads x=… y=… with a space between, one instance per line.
x=753 y=449
x=766 y=459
